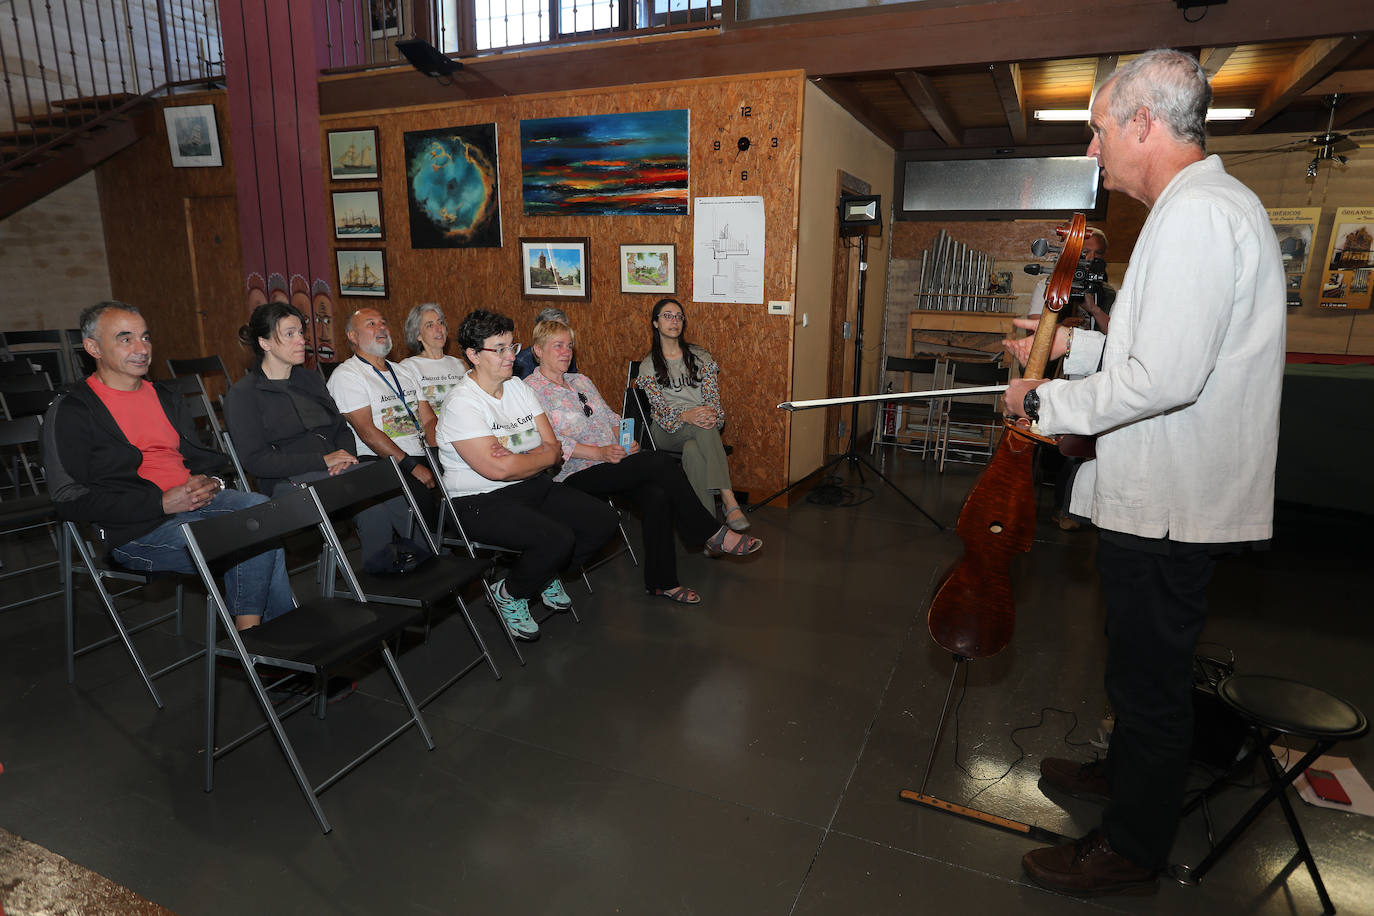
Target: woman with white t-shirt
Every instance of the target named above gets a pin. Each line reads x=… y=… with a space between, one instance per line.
x=426 y=333
x=495 y=444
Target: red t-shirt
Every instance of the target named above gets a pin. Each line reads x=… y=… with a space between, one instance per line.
x=144 y=423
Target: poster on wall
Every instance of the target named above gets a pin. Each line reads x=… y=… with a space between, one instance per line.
x=192 y=136
x=1345 y=272
x=727 y=249
x=1295 y=227
x=608 y=164
x=452 y=187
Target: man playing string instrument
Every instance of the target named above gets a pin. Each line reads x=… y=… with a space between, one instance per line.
x=1183 y=395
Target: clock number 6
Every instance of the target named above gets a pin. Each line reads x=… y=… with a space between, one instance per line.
x=744 y=175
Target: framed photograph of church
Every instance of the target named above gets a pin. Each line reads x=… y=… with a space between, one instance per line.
x=555 y=268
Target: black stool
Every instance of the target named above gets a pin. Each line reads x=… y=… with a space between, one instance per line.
x=1275 y=706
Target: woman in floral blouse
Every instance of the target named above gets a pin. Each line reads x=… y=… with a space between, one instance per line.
x=594 y=462
x=680 y=380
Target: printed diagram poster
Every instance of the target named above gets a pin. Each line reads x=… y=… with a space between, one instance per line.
x=1345 y=272
x=727 y=244
x=1295 y=227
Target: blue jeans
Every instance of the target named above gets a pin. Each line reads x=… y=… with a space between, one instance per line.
x=258 y=585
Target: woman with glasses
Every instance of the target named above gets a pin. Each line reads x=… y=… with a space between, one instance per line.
x=495 y=443
x=426 y=333
x=680 y=380
x=595 y=463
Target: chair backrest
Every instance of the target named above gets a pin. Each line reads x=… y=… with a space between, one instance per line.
x=923 y=365
x=198 y=365
x=369 y=482
x=636 y=405
x=48 y=348
x=981 y=372
x=33 y=381
x=45 y=336
x=15 y=434
x=17 y=367
x=262 y=526
x=197 y=403
x=14 y=404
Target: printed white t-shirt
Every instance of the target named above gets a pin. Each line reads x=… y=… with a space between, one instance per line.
x=437 y=378
x=471 y=413
x=356 y=384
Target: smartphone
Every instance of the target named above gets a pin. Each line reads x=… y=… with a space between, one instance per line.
x=627 y=433
x=1327 y=787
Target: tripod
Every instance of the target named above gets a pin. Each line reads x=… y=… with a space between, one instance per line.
x=856 y=460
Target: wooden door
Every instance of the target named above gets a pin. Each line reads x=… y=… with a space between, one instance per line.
x=217 y=290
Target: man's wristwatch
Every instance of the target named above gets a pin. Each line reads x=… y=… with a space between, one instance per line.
x=1031 y=405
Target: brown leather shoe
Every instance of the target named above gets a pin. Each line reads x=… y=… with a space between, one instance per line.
x=1088 y=868
x=1081 y=780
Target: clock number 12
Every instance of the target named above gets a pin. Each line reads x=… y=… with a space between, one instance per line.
x=746 y=111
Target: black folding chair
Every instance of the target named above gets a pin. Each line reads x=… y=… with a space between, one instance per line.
x=310 y=640
x=437 y=581
x=971 y=429
x=47 y=347
x=24 y=502
x=16 y=404
x=197 y=403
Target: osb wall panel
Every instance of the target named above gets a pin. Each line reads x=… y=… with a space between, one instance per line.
x=143 y=205
x=753 y=350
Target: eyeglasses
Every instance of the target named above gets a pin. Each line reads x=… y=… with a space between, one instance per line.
x=586 y=408
x=671 y=316
x=512 y=349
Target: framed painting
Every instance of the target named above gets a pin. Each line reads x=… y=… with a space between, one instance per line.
x=648 y=269
x=607 y=164
x=362 y=272
x=453 y=192
x=352 y=154
x=387 y=18
x=357 y=215
x=193 y=137
x=554 y=269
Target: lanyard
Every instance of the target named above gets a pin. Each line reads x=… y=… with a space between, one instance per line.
x=396 y=388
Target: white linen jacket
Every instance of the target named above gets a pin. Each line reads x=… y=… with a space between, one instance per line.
x=1186 y=404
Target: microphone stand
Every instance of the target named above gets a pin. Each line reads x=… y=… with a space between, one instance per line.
x=857 y=460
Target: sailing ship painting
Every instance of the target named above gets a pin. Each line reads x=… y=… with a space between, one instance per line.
x=192 y=136
x=362 y=272
x=352 y=154
x=357 y=214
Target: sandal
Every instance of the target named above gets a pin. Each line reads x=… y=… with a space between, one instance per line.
x=715 y=545
x=679 y=593
x=740 y=524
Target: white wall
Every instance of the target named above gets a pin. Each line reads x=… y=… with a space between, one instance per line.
x=832 y=140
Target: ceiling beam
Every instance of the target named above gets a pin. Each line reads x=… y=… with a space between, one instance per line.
x=848 y=97
x=1348 y=112
x=1309 y=67
x=1007 y=78
x=1346 y=82
x=933 y=107
x=1213 y=59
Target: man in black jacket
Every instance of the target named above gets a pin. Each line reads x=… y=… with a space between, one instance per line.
x=118 y=453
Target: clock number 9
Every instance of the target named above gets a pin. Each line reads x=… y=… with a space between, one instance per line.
x=744 y=175
x=716 y=146
x=745 y=111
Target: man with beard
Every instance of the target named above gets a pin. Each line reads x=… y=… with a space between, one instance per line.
x=381 y=401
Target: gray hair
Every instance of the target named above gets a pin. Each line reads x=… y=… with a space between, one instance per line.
x=1100 y=234
x=552 y=314
x=415 y=319
x=1172 y=85
x=90 y=316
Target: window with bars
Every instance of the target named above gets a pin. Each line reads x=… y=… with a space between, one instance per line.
x=496 y=24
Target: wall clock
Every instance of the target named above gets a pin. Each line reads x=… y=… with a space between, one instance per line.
x=745 y=145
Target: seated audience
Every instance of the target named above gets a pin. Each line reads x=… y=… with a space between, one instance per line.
x=381 y=401
x=680 y=379
x=595 y=463
x=524 y=360
x=495 y=444
x=120 y=452
x=426 y=332
x=287 y=430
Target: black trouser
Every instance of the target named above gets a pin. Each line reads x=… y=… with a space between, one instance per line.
x=1156 y=608
x=656 y=482
x=554 y=527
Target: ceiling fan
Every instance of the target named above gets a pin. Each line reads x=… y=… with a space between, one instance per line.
x=1328 y=146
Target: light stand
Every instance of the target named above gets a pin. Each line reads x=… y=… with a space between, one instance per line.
x=857 y=215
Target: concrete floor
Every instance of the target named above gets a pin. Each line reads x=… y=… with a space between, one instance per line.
x=740 y=757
